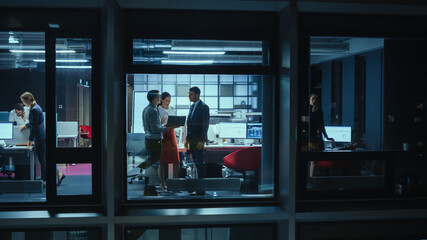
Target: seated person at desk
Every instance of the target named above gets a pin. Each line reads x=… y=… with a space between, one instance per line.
x=19 y=114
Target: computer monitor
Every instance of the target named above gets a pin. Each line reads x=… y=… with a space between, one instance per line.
x=232 y=130
x=254 y=130
x=6 y=130
x=338 y=133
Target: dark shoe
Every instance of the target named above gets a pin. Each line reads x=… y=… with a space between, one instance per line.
x=143 y=165
x=60 y=179
x=197 y=193
x=150 y=191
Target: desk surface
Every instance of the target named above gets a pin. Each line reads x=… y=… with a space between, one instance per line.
x=221 y=146
x=16 y=148
x=67 y=136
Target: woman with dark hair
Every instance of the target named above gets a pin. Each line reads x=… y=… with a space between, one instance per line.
x=169 y=146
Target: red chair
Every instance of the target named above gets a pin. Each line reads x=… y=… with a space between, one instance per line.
x=246 y=159
x=85 y=133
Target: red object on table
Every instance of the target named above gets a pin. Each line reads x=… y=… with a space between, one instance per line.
x=86 y=131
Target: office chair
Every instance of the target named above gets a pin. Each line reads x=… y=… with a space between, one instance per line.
x=244 y=160
x=85 y=134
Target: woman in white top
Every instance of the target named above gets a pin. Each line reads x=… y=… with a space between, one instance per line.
x=170 y=153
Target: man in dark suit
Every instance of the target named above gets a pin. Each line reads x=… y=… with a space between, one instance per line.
x=197 y=130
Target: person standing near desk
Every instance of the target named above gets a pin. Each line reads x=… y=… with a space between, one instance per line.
x=197 y=131
x=19 y=114
x=37 y=131
x=317 y=128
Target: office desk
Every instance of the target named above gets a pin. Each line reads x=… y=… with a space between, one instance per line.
x=73 y=138
x=17 y=150
x=215 y=153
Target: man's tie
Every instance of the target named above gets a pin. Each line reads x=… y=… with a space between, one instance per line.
x=191 y=111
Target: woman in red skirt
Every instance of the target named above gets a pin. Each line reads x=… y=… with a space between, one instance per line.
x=169 y=146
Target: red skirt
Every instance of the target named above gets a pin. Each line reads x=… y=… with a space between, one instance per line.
x=169 y=147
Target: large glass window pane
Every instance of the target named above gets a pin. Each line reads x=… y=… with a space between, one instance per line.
x=211 y=90
x=212 y=102
x=73 y=92
x=171 y=89
x=211 y=79
x=231 y=129
x=22 y=69
x=364 y=100
x=226 y=90
x=199 y=52
x=240 y=90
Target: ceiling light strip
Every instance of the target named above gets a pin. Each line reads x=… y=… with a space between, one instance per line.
x=193 y=53
x=69 y=67
x=64 y=60
x=40 y=51
x=187 y=61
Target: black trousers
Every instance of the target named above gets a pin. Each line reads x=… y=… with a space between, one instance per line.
x=198 y=158
x=154 y=150
x=40 y=146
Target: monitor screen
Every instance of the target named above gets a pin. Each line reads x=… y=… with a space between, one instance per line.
x=338 y=133
x=254 y=130
x=232 y=130
x=6 y=131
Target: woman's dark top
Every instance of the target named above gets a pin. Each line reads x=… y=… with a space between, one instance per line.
x=36 y=124
x=317 y=127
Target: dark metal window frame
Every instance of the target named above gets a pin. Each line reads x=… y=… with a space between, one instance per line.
x=66 y=155
x=187 y=32
x=321 y=25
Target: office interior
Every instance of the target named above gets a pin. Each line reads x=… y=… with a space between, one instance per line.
x=23 y=70
x=235 y=127
x=372 y=199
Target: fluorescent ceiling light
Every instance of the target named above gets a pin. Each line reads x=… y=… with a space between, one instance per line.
x=40 y=51
x=53 y=25
x=74 y=67
x=65 y=51
x=186 y=52
x=12 y=40
x=187 y=61
x=26 y=51
x=64 y=60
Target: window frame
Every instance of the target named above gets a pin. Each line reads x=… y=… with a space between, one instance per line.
x=132 y=31
x=32 y=22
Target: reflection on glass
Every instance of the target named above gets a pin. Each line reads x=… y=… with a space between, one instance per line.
x=346 y=175
x=74 y=179
x=54 y=235
x=232 y=158
x=73 y=93
x=199 y=52
x=214 y=233
x=22 y=67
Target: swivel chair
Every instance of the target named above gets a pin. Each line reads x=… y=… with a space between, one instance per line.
x=243 y=161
